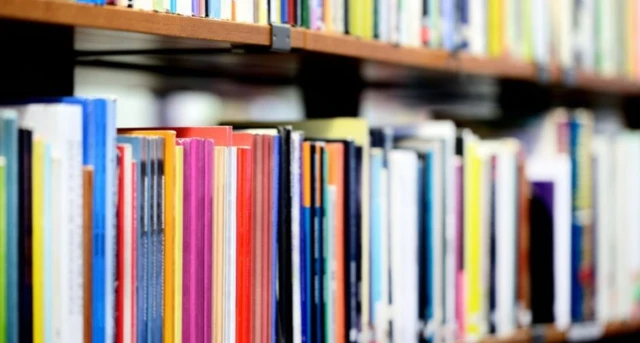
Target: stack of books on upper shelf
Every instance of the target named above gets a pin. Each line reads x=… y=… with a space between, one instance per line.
x=312 y=231
x=598 y=36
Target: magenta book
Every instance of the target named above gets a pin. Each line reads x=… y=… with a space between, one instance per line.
x=208 y=236
x=190 y=204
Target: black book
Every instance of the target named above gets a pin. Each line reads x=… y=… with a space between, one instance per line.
x=358 y=239
x=492 y=249
x=25 y=227
x=541 y=252
x=284 y=305
x=423 y=237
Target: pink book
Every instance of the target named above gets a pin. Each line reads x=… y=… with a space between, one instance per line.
x=460 y=249
x=192 y=183
x=207 y=262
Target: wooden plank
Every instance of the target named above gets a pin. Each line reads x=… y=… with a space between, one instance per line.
x=124 y=19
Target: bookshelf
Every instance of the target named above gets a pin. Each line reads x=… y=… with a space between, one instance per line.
x=127 y=30
x=161 y=24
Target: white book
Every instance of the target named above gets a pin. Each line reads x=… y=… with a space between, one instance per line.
x=478 y=27
x=434 y=327
x=146 y=5
x=541 y=24
x=587 y=35
x=562 y=32
x=394 y=22
x=628 y=194
x=383 y=20
x=60 y=125
x=506 y=189
x=403 y=169
x=231 y=248
x=557 y=170
x=337 y=7
x=184 y=7
x=604 y=205
x=622 y=289
x=444 y=131
x=296 y=141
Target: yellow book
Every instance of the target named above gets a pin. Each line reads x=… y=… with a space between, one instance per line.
x=367 y=19
x=218 y=240
x=355 y=16
x=177 y=247
x=37 y=203
x=496 y=27
x=472 y=238
x=169 y=230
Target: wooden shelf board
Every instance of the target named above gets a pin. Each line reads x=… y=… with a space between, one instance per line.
x=125 y=19
x=191 y=28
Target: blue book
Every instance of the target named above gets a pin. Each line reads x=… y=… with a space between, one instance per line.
x=318 y=234
x=9 y=149
x=173 y=6
x=576 y=226
x=305 y=265
x=159 y=252
x=274 y=236
x=352 y=229
x=375 y=164
x=429 y=235
x=214 y=9
x=152 y=297
x=144 y=278
x=137 y=143
x=448 y=11
x=284 y=12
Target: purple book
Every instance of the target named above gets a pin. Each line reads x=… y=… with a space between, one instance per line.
x=207 y=231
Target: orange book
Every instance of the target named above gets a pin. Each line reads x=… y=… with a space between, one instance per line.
x=169 y=136
x=87 y=234
x=244 y=243
x=336 y=178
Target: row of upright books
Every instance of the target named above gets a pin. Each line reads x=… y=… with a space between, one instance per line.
x=312 y=231
x=598 y=36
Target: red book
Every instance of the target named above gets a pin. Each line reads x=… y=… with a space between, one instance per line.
x=244 y=222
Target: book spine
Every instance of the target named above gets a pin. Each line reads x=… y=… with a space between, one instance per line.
x=160 y=237
x=208 y=186
x=177 y=247
x=37 y=243
x=133 y=235
x=296 y=217
x=352 y=230
x=273 y=241
x=121 y=248
x=10 y=151
x=25 y=150
x=304 y=242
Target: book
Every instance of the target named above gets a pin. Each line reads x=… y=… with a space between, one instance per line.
x=404 y=247
x=244 y=244
x=87 y=235
x=3 y=240
x=168 y=215
x=125 y=244
x=37 y=239
x=9 y=147
x=551 y=187
x=25 y=150
x=296 y=220
x=177 y=247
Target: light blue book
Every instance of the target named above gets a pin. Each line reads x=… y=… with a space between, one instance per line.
x=9 y=148
x=376 y=165
x=214 y=10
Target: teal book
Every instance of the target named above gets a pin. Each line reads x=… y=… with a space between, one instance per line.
x=9 y=301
